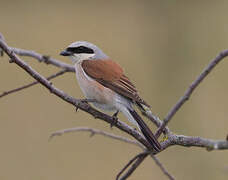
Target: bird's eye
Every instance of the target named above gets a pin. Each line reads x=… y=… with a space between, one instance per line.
x=80 y=49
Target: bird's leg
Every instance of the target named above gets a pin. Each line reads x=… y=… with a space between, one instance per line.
x=114 y=118
x=85 y=101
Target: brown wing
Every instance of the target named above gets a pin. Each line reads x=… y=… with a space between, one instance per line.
x=111 y=75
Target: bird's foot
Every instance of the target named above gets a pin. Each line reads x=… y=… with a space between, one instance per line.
x=114 y=118
x=85 y=101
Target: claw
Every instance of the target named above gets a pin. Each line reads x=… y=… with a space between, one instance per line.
x=85 y=101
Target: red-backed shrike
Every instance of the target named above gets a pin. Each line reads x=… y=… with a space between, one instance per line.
x=103 y=81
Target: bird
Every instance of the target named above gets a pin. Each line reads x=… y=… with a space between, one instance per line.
x=105 y=85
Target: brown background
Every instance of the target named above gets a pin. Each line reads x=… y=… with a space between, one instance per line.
x=162 y=45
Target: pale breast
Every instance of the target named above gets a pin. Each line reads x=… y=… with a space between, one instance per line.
x=94 y=90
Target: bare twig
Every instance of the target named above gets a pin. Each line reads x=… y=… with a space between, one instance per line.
x=96 y=131
x=39 y=57
x=2 y=38
x=190 y=90
x=43 y=58
x=160 y=165
x=138 y=159
x=31 y=84
x=155 y=119
x=120 y=138
x=189 y=141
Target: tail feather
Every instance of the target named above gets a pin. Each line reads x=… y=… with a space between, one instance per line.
x=146 y=131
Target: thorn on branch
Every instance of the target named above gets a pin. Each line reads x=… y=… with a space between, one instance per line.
x=115 y=119
x=83 y=102
x=11 y=60
x=46 y=59
x=92 y=134
x=76 y=108
x=95 y=116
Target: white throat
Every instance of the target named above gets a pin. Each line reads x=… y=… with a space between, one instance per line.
x=79 y=57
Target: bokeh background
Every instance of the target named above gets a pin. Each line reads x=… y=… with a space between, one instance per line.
x=162 y=45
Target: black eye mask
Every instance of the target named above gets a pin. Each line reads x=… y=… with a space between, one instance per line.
x=80 y=49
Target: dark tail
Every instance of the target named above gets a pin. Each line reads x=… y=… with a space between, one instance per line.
x=146 y=131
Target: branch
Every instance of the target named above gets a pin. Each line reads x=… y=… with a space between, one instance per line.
x=160 y=165
x=95 y=132
x=1 y=37
x=189 y=141
x=42 y=58
x=37 y=56
x=138 y=159
x=120 y=138
x=31 y=84
x=190 y=90
x=156 y=120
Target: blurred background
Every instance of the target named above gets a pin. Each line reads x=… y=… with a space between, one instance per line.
x=162 y=45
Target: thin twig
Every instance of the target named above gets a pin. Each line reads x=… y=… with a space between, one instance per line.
x=112 y=136
x=160 y=165
x=96 y=131
x=43 y=58
x=133 y=167
x=190 y=90
x=155 y=119
x=31 y=84
x=138 y=159
x=1 y=37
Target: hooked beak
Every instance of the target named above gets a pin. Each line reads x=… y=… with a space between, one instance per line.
x=65 y=53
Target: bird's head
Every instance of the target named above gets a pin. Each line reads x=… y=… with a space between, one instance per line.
x=82 y=50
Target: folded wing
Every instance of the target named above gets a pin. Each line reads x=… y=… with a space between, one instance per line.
x=111 y=75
